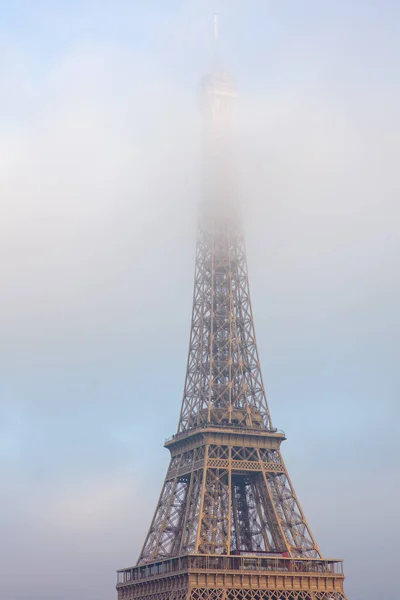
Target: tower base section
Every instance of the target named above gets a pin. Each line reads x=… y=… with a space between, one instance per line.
x=196 y=577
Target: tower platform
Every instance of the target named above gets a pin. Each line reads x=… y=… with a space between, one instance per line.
x=241 y=577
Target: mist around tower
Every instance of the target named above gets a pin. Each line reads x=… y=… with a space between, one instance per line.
x=102 y=181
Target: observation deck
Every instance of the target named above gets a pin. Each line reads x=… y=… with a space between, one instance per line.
x=212 y=433
x=250 y=571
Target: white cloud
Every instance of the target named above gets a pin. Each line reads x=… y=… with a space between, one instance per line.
x=93 y=508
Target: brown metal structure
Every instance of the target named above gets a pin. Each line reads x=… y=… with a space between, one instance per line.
x=228 y=524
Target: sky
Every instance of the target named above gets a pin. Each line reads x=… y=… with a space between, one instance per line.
x=100 y=177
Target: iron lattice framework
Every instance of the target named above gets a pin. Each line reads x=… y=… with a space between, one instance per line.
x=227 y=496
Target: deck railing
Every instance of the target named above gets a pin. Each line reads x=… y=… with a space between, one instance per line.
x=196 y=562
x=228 y=426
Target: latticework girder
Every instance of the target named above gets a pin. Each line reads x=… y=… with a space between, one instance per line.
x=219 y=499
x=223 y=379
x=235 y=594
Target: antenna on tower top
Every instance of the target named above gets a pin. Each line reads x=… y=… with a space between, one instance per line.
x=216 y=29
x=216 y=40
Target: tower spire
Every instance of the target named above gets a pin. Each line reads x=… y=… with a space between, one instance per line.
x=216 y=28
x=216 y=40
x=219 y=104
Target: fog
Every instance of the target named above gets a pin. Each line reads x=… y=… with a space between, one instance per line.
x=100 y=176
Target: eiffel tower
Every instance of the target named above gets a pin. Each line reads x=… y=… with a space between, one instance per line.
x=228 y=524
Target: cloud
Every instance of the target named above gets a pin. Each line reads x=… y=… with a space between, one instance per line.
x=73 y=535
x=83 y=216
x=88 y=188
x=92 y=507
